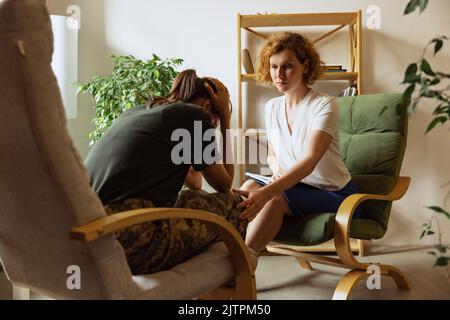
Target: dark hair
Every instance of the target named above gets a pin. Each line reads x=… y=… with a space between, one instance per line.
x=186 y=87
x=303 y=48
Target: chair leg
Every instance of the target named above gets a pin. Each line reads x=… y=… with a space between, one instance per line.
x=20 y=293
x=362 y=248
x=398 y=276
x=346 y=284
x=304 y=263
x=351 y=279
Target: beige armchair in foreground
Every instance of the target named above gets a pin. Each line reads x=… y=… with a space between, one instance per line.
x=53 y=227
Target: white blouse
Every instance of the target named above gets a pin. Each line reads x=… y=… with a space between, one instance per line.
x=317 y=111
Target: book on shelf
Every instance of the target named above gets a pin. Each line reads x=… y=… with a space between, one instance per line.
x=264 y=180
x=334 y=68
x=247 y=61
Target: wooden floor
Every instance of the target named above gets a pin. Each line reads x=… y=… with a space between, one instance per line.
x=279 y=277
x=282 y=278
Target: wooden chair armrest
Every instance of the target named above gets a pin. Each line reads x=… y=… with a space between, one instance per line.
x=345 y=213
x=240 y=257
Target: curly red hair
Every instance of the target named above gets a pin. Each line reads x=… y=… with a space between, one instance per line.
x=304 y=50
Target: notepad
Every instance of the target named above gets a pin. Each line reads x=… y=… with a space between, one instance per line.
x=265 y=180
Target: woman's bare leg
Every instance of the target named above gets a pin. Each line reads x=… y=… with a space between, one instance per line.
x=250 y=185
x=265 y=226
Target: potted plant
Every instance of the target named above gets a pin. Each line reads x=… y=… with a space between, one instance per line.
x=131 y=83
x=425 y=83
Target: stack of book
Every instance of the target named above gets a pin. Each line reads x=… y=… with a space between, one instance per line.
x=334 y=68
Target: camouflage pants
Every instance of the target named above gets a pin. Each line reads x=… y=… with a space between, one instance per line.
x=160 y=245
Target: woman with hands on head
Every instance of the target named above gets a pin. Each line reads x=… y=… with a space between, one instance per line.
x=309 y=175
x=136 y=164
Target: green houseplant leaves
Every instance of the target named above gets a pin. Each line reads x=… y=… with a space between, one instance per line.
x=131 y=83
x=423 y=82
x=414 y=4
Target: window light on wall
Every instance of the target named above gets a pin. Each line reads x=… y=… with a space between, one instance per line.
x=65 y=61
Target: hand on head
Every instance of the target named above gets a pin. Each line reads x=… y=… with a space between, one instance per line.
x=219 y=99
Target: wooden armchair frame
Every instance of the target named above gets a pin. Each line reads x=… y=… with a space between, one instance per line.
x=245 y=288
x=342 y=243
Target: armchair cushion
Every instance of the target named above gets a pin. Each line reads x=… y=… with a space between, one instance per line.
x=314 y=229
x=373 y=141
x=198 y=275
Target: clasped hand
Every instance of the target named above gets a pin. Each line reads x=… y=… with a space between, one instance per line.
x=255 y=201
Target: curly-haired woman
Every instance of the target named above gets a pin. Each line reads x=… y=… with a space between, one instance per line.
x=309 y=175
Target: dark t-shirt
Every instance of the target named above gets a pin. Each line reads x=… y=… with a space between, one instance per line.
x=136 y=157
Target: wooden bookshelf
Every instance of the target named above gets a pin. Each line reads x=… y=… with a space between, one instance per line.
x=300 y=19
x=348 y=76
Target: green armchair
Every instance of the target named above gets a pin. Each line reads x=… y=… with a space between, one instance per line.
x=372 y=141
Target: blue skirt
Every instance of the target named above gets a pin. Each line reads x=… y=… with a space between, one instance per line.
x=304 y=199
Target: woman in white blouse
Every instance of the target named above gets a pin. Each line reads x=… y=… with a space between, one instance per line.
x=309 y=175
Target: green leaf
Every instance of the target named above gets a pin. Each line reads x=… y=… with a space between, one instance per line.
x=422 y=234
x=429 y=93
x=425 y=67
x=439 y=210
x=409 y=91
x=435 y=81
x=440 y=109
x=430 y=232
x=442 y=249
x=441 y=261
x=411 y=70
x=432 y=253
x=411 y=7
x=401 y=108
x=434 y=122
x=438 y=45
x=423 y=5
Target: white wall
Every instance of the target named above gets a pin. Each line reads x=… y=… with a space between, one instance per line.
x=203 y=33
